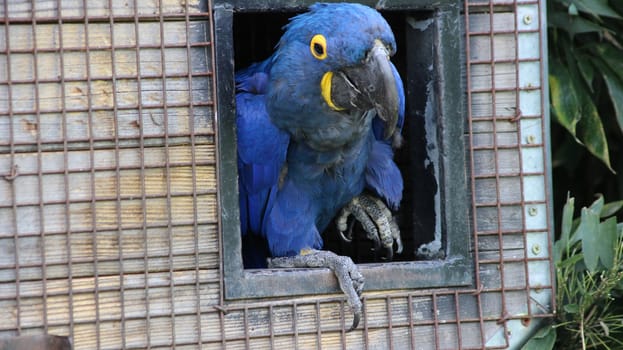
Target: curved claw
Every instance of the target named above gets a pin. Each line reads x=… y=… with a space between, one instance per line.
x=377 y=221
x=343 y=225
x=358 y=209
x=389 y=253
x=351 y=281
x=356 y=317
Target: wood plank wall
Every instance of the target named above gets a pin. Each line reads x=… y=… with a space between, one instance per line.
x=109 y=201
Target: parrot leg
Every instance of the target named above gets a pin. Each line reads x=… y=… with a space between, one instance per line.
x=376 y=219
x=349 y=278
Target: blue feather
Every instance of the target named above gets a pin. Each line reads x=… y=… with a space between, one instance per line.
x=300 y=161
x=261 y=156
x=383 y=176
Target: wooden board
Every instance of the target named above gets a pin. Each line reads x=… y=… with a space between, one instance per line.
x=109 y=233
x=41 y=9
x=129 y=91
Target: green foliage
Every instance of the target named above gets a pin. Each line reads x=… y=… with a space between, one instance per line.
x=545 y=338
x=585 y=50
x=589 y=281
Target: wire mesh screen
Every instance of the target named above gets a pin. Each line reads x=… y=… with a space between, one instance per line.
x=109 y=225
x=107 y=205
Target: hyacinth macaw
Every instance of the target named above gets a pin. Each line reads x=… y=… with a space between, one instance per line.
x=316 y=126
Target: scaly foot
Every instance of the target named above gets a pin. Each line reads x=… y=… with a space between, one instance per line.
x=350 y=279
x=377 y=221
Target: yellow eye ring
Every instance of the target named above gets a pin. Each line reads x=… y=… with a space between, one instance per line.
x=318 y=46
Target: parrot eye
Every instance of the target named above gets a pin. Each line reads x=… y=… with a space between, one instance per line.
x=318 y=46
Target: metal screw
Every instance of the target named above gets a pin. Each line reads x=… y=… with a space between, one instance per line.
x=536 y=249
x=527 y=19
x=533 y=211
x=530 y=139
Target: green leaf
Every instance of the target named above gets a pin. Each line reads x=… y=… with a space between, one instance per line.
x=608 y=239
x=613 y=76
x=612 y=56
x=573 y=10
x=591 y=132
x=559 y=248
x=573 y=24
x=567 y=221
x=596 y=8
x=615 y=87
x=583 y=120
x=572 y=260
x=571 y=308
x=610 y=209
x=587 y=70
x=597 y=204
x=565 y=104
x=544 y=339
x=589 y=226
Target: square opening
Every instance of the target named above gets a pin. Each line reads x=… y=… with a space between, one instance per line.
x=433 y=217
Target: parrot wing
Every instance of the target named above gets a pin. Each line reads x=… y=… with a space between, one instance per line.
x=262 y=149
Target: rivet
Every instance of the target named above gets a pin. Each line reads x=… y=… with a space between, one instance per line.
x=533 y=211
x=531 y=139
x=527 y=19
x=536 y=249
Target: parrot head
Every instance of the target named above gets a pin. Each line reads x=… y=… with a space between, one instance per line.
x=331 y=66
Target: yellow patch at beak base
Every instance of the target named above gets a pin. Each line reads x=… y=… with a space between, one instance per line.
x=325 y=88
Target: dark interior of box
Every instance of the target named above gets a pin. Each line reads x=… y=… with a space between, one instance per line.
x=255 y=36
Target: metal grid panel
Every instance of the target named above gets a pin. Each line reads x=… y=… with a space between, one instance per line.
x=108 y=207
x=109 y=225
x=507 y=143
x=508 y=128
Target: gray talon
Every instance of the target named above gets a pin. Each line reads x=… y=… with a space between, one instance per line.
x=343 y=225
x=376 y=219
x=351 y=281
x=358 y=208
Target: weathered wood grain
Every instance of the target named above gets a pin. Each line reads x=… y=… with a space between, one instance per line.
x=507 y=188
x=500 y=47
x=481 y=22
x=23 y=9
x=505 y=219
x=153 y=120
x=498 y=139
x=490 y=105
x=57 y=162
x=135 y=247
x=129 y=281
x=488 y=243
x=71 y=92
x=488 y=162
x=505 y=76
x=109 y=251
x=104 y=185
x=114 y=305
x=102 y=215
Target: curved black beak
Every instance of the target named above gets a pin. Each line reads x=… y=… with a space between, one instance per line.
x=369 y=85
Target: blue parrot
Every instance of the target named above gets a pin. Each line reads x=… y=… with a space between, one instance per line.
x=317 y=123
